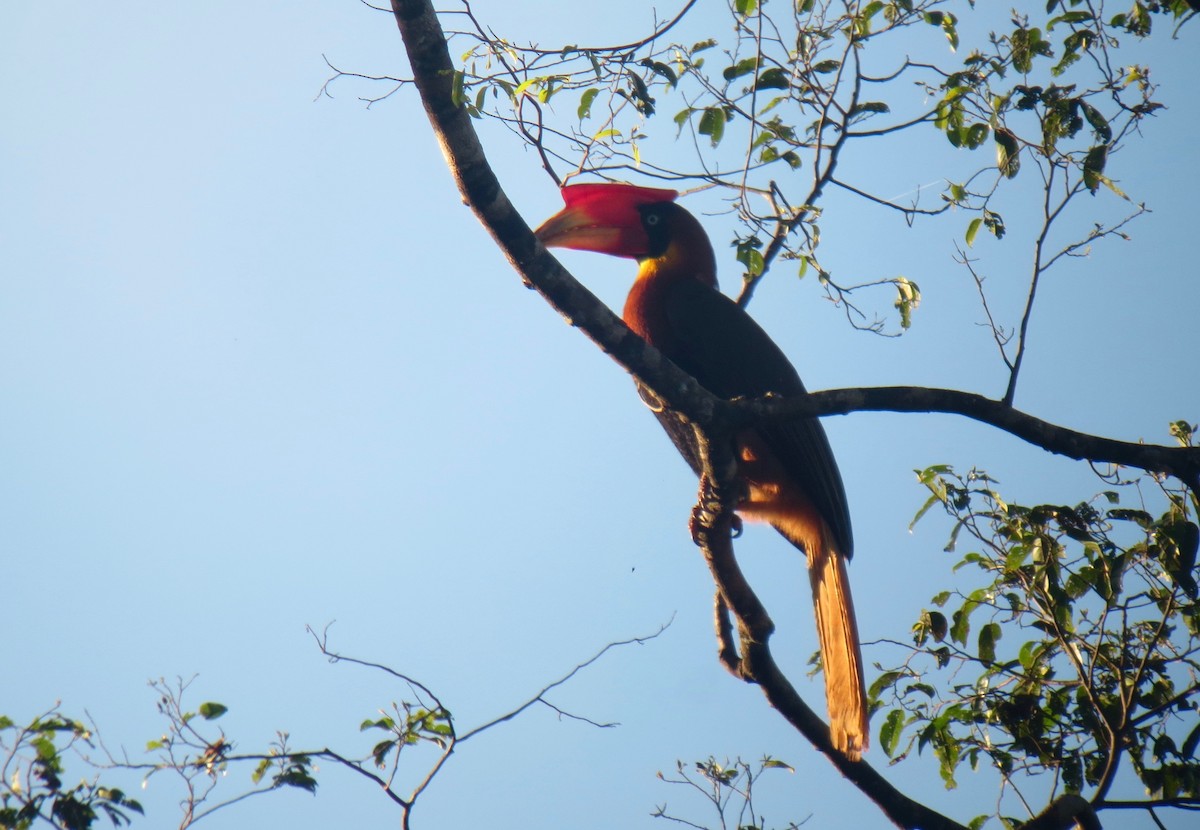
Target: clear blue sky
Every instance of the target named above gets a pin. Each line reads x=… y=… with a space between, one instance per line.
x=261 y=369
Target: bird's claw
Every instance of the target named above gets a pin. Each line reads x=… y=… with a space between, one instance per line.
x=697 y=523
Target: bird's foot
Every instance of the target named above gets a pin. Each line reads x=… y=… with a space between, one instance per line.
x=704 y=514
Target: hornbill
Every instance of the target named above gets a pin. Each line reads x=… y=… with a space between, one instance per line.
x=790 y=478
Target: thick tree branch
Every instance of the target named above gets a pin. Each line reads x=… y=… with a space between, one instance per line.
x=433 y=74
x=1066 y=812
x=712 y=529
x=432 y=71
x=716 y=420
x=1181 y=462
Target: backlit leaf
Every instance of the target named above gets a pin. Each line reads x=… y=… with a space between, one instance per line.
x=712 y=124
x=1008 y=158
x=889 y=733
x=585 y=102
x=212 y=711
x=972 y=229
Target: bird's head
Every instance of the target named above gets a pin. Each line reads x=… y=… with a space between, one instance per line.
x=641 y=223
x=619 y=219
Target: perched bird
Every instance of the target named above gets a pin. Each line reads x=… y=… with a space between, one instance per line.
x=790 y=477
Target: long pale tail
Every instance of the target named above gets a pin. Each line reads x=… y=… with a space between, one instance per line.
x=841 y=654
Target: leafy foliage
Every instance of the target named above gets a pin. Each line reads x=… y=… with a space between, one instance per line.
x=200 y=756
x=31 y=778
x=776 y=110
x=1078 y=650
x=410 y=724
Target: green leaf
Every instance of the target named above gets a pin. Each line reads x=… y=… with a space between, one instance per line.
x=870 y=107
x=456 y=88
x=712 y=124
x=961 y=628
x=884 y=681
x=524 y=85
x=1027 y=44
x=383 y=723
x=380 y=752
x=1179 y=542
x=773 y=78
x=907 y=299
x=742 y=67
x=1069 y=17
x=938 y=627
x=585 y=102
x=930 y=502
x=923 y=688
x=260 y=770
x=872 y=9
x=988 y=635
x=994 y=222
x=46 y=750
x=1181 y=431
x=118 y=797
x=947 y=22
x=212 y=711
x=972 y=229
x=1093 y=167
x=1028 y=654
x=1190 y=743
x=889 y=733
x=1008 y=158
x=1111 y=185
x=746 y=7
x=662 y=70
x=297 y=777
x=975 y=135
x=753 y=260
x=640 y=94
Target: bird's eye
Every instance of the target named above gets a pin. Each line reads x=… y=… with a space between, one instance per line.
x=652 y=219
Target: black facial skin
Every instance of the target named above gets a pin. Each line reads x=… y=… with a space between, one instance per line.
x=655 y=221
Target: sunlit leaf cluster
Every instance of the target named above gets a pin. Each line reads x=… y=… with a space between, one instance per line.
x=409 y=724
x=766 y=113
x=32 y=793
x=1077 y=652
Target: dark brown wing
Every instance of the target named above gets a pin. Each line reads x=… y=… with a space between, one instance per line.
x=721 y=346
